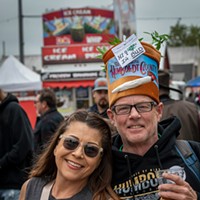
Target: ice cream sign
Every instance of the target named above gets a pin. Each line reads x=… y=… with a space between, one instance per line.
x=72 y=53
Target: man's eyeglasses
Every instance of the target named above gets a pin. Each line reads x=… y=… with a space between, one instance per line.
x=125 y=109
x=71 y=143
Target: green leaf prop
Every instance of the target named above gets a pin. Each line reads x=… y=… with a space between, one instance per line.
x=157 y=41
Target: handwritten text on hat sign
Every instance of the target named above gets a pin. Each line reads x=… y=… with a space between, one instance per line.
x=128 y=50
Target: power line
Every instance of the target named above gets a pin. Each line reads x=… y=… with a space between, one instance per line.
x=167 y=18
x=16 y=18
x=8 y=19
x=32 y=16
x=138 y=18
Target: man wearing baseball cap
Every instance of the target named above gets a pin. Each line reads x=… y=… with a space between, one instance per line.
x=100 y=96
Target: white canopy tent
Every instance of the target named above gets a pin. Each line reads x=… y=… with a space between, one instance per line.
x=15 y=77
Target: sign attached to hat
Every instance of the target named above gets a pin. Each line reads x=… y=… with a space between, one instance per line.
x=128 y=50
x=139 y=76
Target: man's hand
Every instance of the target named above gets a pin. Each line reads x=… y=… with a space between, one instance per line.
x=180 y=190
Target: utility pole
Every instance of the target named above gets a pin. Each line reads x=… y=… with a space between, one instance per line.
x=4 y=49
x=21 y=35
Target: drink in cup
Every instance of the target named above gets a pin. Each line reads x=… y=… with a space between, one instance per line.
x=174 y=170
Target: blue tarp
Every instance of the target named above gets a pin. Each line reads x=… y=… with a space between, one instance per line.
x=195 y=82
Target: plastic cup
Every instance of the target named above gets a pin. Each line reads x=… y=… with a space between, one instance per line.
x=177 y=171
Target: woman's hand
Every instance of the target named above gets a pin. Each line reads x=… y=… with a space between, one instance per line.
x=180 y=190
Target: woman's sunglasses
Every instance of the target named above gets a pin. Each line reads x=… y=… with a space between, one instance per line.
x=71 y=143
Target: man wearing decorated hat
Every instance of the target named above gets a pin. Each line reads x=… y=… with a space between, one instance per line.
x=144 y=145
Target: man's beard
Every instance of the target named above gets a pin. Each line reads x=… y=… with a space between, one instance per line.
x=103 y=103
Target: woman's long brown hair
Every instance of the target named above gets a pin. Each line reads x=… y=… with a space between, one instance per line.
x=99 y=181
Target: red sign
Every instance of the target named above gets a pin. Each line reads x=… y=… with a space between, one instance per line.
x=67 y=39
x=72 y=53
x=78 y=25
x=73 y=12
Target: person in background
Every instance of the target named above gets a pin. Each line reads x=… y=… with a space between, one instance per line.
x=197 y=99
x=76 y=164
x=186 y=111
x=144 y=145
x=49 y=119
x=100 y=96
x=16 y=146
x=190 y=97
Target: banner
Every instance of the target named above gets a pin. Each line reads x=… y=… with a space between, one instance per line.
x=125 y=17
x=77 y=25
x=72 y=53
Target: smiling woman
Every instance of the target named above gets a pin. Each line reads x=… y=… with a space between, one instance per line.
x=76 y=164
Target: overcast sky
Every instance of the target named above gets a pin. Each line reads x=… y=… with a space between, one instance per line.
x=151 y=15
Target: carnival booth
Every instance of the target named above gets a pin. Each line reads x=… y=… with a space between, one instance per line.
x=70 y=65
x=21 y=81
x=193 y=86
x=192 y=90
x=195 y=82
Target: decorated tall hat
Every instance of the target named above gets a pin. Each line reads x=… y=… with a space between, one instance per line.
x=132 y=68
